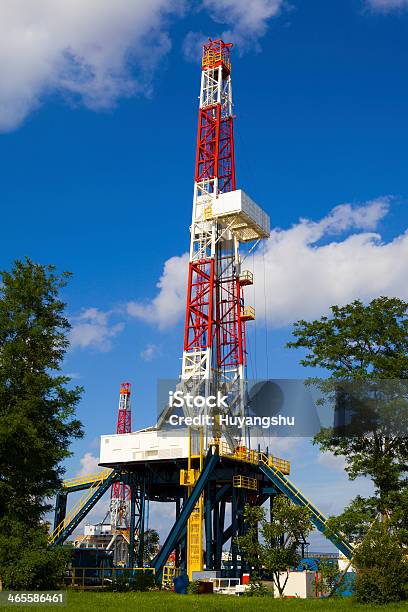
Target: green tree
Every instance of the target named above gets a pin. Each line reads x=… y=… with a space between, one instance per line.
x=27 y=562
x=330 y=578
x=273 y=546
x=366 y=345
x=37 y=407
x=151 y=542
x=382 y=566
x=365 y=350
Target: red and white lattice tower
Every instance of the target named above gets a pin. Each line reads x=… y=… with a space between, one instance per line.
x=120 y=493
x=214 y=356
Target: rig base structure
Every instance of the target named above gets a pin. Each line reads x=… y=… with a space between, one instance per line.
x=226 y=477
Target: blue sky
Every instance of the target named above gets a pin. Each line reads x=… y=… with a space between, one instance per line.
x=98 y=115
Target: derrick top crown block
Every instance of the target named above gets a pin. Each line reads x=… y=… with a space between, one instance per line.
x=216 y=53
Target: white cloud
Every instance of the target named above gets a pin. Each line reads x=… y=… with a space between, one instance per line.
x=305 y=269
x=246 y=23
x=93 y=51
x=345 y=216
x=304 y=277
x=89 y=464
x=149 y=352
x=387 y=5
x=167 y=307
x=331 y=461
x=97 y=51
x=284 y=447
x=73 y=375
x=193 y=45
x=92 y=329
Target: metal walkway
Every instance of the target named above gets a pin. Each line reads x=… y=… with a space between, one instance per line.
x=95 y=488
x=319 y=520
x=85 y=482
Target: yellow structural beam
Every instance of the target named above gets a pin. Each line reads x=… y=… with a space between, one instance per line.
x=195 y=548
x=189 y=477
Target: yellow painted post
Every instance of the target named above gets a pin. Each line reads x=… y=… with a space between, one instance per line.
x=195 y=521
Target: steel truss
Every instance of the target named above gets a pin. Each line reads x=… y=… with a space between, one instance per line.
x=119 y=507
x=214 y=337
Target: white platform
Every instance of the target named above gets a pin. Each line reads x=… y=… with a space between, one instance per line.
x=238 y=211
x=144 y=445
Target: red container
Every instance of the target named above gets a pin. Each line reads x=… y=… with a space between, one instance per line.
x=245 y=579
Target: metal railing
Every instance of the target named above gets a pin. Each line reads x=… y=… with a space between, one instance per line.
x=246 y=278
x=78 y=506
x=212 y=58
x=248 y=313
x=279 y=464
x=245 y=482
x=208 y=213
x=82 y=577
x=169 y=573
x=88 y=478
x=242 y=453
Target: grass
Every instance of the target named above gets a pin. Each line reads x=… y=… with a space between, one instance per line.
x=158 y=601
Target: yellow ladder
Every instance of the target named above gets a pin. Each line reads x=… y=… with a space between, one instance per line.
x=195 y=522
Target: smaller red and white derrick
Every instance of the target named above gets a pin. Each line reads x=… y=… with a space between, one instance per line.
x=120 y=493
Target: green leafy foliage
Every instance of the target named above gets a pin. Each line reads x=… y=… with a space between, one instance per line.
x=329 y=578
x=140 y=581
x=273 y=546
x=367 y=347
x=257 y=589
x=37 y=420
x=193 y=587
x=151 y=542
x=382 y=566
x=27 y=563
x=365 y=343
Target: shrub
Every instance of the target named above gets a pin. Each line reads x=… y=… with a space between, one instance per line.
x=140 y=581
x=193 y=587
x=382 y=568
x=27 y=563
x=256 y=588
x=374 y=585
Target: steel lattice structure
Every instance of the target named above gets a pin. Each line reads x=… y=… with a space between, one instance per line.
x=214 y=337
x=120 y=493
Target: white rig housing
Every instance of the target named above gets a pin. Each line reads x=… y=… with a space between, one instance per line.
x=98 y=530
x=144 y=445
x=246 y=220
